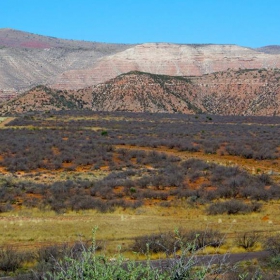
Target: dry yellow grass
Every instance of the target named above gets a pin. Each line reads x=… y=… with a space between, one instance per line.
x=33 y=228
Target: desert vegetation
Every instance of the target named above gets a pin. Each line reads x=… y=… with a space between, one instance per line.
x=87 y=260
x=134 y=176
x=86 y=166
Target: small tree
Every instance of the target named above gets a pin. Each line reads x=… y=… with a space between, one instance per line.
x=247 y=240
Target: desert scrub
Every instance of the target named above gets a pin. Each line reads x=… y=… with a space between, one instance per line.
x=232 y=207
x=89 y=265
x=171 y=242
x=10 y=259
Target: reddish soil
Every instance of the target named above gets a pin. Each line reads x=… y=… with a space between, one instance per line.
x=250 y=165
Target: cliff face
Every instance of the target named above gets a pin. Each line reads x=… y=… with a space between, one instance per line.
x=241 y=92
x=168 y=59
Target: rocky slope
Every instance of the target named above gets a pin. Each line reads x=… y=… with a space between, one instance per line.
x=25 y=40
x=241 y=92
x=27 y=60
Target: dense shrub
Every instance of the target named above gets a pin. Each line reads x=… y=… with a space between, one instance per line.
x=66 y=142
x=272 y=244
x=155 y=243
x=10 y=259
x=232 y=207
x=171 y=242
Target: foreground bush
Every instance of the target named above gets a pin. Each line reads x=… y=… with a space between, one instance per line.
x=10 y=259
x=87 y=264
x=171 y=242
x=83 y=262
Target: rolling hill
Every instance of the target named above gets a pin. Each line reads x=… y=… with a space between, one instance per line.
x=240 y=92
x=28 y=60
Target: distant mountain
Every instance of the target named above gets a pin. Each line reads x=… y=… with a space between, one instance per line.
x=11 y=38
x=241 y=92
x=168 y=59
x=274 y=49
x=28 y=60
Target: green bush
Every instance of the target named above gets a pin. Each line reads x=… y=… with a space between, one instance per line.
x=89 y=265
x=104 y=133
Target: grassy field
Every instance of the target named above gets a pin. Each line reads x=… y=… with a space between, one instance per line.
x=29 y=229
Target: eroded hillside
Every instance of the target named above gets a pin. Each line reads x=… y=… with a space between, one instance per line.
x=28 y=60
x=168 y=59
x=242 y=92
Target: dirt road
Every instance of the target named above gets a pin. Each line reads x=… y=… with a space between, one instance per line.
x=214 y=259
x=5 y=121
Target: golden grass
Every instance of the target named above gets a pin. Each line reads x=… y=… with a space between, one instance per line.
x=34 y=228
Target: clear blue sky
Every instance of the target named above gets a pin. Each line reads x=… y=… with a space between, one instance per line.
x=252 y=23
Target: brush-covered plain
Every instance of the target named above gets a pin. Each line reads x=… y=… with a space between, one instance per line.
x=137 y=174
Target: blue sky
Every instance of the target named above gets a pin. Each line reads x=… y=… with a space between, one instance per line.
x=251 y=23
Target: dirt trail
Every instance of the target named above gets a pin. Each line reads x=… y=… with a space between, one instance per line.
x=6 y=121
x=271 y=167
